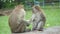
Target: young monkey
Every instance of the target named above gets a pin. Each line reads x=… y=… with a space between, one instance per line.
x=38 y=18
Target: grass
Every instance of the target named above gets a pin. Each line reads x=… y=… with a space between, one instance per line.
x=52 y=16
x=4 y=28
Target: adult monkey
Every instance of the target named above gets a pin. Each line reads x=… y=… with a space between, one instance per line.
x=38 y=18
x=16 y=20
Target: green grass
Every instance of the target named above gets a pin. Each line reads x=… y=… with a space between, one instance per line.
x=52 y=16
x=4 y=28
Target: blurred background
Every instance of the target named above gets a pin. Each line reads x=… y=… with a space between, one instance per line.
x=50 y=7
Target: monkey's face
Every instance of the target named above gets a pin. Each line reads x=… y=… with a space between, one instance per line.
x=34 y=10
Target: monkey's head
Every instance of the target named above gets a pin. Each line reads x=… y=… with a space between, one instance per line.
x=20 y=6
x=36 y=8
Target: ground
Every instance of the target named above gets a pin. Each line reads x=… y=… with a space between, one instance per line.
x=52 y=16
x=50 y=30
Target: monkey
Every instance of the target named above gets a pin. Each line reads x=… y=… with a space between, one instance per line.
x=38 y=18
x=17 y=23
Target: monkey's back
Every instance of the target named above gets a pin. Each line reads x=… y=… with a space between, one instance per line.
x=15 y=21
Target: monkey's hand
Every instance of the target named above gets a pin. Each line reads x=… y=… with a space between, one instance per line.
x=27 y=22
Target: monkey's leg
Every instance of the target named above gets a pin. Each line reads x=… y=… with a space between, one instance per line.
x=40 y=26
x=34 y=26
x=22 y=26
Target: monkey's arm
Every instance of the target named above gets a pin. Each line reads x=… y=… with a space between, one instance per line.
x=32 y=18
x=26 y=22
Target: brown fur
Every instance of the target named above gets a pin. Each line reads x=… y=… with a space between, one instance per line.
x=16 y=19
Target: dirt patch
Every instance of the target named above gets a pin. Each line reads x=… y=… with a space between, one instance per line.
x=5 y=12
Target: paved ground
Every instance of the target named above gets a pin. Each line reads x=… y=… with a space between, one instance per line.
x=50 y=30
